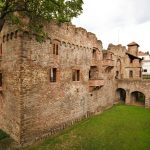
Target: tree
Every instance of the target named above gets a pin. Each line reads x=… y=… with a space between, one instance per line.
x=32 y=14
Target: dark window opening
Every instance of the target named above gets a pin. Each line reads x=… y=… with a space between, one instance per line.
x=130 y=74
x=7 y=37
x=53 y=74
x=140 y=73
x=76 y=75
x=55 y=49
x=93 y=73
x=94 y=53
x=137 y=98
x=145 y=70
x=121 y=95
x=89 y=74
x=0 y=79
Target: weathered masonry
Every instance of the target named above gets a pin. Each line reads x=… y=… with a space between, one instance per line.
x=48 y=86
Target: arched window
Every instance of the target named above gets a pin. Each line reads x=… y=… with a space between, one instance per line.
x=56 y=45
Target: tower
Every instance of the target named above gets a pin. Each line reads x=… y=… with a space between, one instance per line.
x=133 y=48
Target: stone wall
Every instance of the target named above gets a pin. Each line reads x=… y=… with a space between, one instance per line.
x=49 y=105
x=10 y=104
x=34 y=103
x=136 y=85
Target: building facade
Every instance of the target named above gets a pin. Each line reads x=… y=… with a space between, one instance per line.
x=145 y=63
x=48 y=86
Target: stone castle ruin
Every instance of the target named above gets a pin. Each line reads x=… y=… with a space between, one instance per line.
x=48 y=86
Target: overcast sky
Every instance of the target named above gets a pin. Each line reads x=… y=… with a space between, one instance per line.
x=117 y=21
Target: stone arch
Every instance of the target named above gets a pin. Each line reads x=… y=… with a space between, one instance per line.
x=137 y=98
x=121 y=95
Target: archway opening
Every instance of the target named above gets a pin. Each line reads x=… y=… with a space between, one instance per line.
x=137 y=98
x=121 y=95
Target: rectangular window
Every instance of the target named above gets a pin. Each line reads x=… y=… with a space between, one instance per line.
x=53 y=74
x=145 y=70
x=75 y=75
x=55 y=49
x=0 y=79
x=130 y=74
x=140 y=73
x=78 y=75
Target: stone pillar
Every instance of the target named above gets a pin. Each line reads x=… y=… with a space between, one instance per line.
x=128 y=98
x=147 y=102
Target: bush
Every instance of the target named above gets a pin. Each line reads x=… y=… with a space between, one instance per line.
x=3 y=135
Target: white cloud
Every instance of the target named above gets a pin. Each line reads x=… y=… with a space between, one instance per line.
x=109 y=19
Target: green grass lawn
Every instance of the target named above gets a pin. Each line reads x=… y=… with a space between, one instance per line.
x=119 y=128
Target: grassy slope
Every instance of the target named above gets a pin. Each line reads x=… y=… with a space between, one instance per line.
x=119 y=128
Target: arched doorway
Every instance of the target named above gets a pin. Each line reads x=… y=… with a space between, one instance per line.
x=137 y=98
x=121 y=95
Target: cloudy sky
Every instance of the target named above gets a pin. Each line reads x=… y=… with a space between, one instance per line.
x=117 y=21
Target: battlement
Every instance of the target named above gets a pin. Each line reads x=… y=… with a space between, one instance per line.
x=68 y=31
x=65 y=32
x=117 y=49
